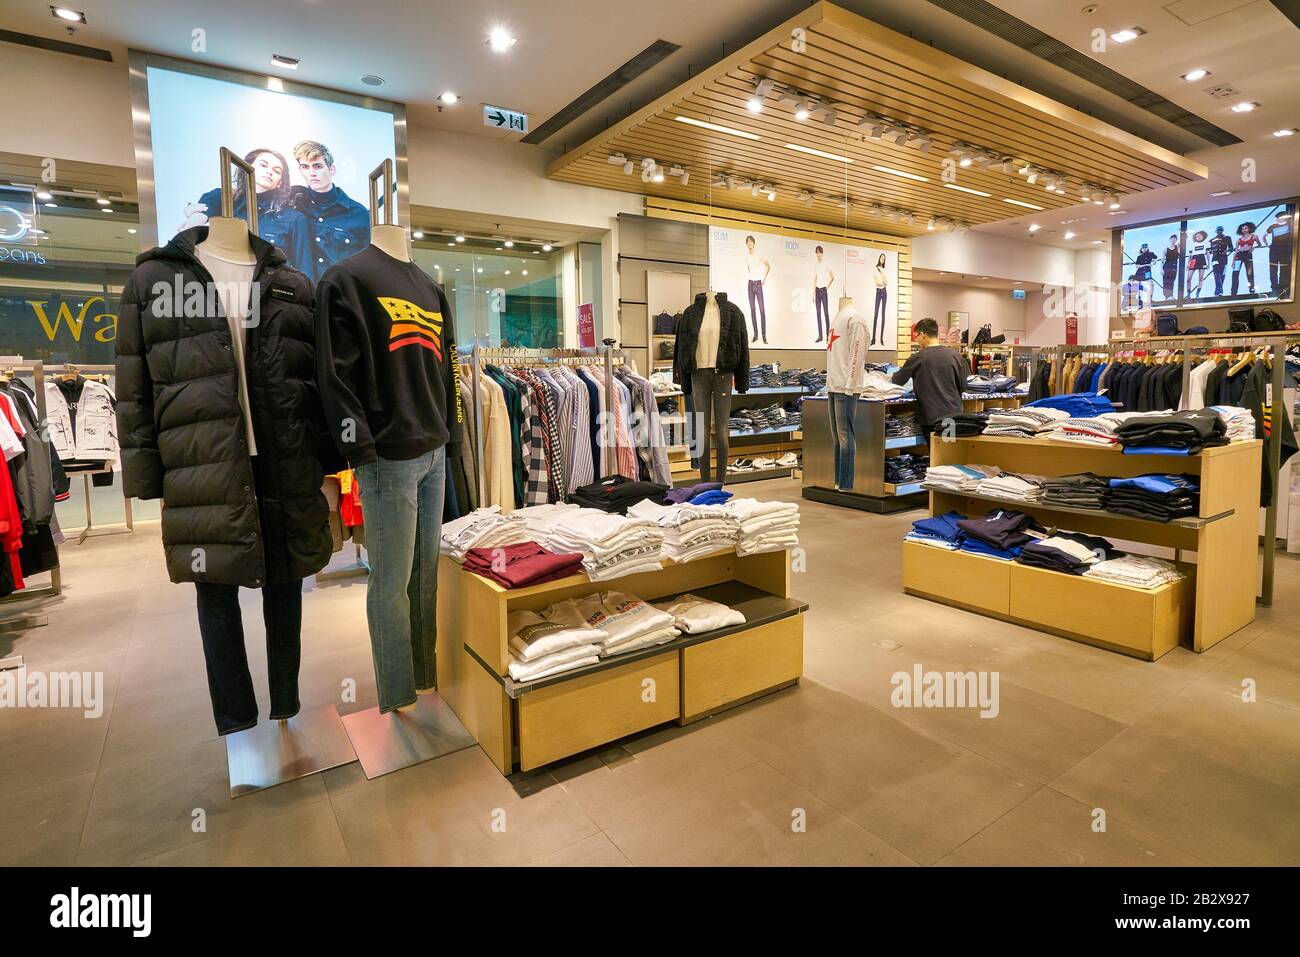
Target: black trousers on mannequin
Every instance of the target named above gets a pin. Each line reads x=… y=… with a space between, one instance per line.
x=711 y=392
x=234 y=705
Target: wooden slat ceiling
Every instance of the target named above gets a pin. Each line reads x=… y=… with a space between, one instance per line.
x=861 y=67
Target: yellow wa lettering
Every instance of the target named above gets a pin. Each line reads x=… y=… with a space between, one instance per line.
x=64 y=316
x=109 y=331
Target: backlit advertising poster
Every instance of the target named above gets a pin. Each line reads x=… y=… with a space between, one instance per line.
x=312 y=155
x=790 y=288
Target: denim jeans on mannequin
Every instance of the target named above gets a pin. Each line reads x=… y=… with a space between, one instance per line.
x=234 y=705
x=843 y=437
x=711 y=391
x=401 y=501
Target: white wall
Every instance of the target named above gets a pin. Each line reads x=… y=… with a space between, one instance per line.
x=978 y=254
x=994 y=306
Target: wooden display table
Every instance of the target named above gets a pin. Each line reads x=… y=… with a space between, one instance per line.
x=533 y=723
x=1215 y=599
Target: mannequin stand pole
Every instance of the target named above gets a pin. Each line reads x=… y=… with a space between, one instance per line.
x=400 y=739
x=275 y=752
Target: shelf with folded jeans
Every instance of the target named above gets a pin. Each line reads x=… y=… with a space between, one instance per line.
x=1221 y=533
x=530 y=723
x=849 y=456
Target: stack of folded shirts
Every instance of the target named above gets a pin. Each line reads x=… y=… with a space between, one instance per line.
x=627 y=621
x=941 y=531
x=616 y=493
x=555 y=640
x=1024 y=422
x=1019 y=487
x=541 y=519
x=764 y=526
x=483 y=528
x=686 y=493
x=1172 y=433
x=690 y=531
x=1136 y=570
x=965 y=425
x=983 y=385
x=611 y=545
x=663 y=382
x=998 y=534
x=1082 y=490
x=518 y=566
x=1069 y=552
x=878 y=386
x=695 y=615
x=1090 y=430
x=1238 y=423
x=900 y=425
x=1156 y=498
x=958 y=478
x=904 y=469
x=1076 y=404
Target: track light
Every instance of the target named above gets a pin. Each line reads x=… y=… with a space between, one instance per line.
x=616 y=159
x=1008 y=165
x=802 y=110
x=930 y=225
x=1033 y=177
x=806 y=198
x=754 y=190
x=761 y=89
x=771 y=196
x=924 y=144
x=685 y=177
x=901 y=137
x=628 y=167
x=829 y=117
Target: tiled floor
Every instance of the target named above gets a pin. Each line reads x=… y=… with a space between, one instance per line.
x=1180 y=768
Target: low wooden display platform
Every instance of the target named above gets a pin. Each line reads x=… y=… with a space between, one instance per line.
x=532 y=723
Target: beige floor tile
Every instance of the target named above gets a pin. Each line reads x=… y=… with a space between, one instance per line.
x=42 y=826
x=595 y=851
x=1052 y=830
x=754 y=816
x=308 y=837
x=1216 y=811
x=38 y=747
x=455 y=810
x=144 y=808
x=156 y=722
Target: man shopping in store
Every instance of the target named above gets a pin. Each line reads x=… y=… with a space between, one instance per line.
x=938 y=375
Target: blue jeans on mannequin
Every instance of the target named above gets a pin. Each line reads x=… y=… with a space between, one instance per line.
x=402 y=504
x=843 y=437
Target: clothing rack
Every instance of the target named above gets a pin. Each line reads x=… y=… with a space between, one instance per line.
x=97 y=373
x=1277 y=344
x=605 y=355
x=23 y=621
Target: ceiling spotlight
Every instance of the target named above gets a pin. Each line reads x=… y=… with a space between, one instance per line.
x=547 y=247
x=761 y=89
x=658 y=176
x=1033 y=177
x=460 y=239
x=754 y=190
x=102 y=199
x=1114 y=203
x=628 y=167
x=287 y=62
x=771 y=196
x=417 y=234
x=900 y=137
x=616 y=159
x=500 y=40
x=685 y=177
x=802 y=110
x=930 y=224
x=1069 y=235
x=1246 y=106
x=131 y=230
x=829 y=117
x=966 y=159
x=878 y=131
x=1128 y=34
x=509 y=244
x=67 y=13
x=924 y=144
x=1034 y=227
x=1008 y=164
x=44 y=195
x=449 y=98
x=1284 y=133
x=1200 y=73
x=806 y=198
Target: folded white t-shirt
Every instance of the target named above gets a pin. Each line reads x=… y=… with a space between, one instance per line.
x=534 y=635
x=693 y=614
x=575 y=657
x=621 y=616
x=657 y=637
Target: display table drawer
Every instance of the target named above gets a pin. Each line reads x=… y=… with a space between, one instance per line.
x=566 y=718
x=719 y=673
x=957 y=578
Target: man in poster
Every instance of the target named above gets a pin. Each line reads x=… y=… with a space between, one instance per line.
x=339 y=226
x=823 y=278
x=1220 y=247
x=757 y=267
x=1280 y=237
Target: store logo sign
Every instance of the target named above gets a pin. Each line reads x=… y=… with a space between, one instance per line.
x=946 y=689
x=28 y=256
x=107 y=322
x=14 y=224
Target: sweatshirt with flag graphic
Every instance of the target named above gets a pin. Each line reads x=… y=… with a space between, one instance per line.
x=386 y=359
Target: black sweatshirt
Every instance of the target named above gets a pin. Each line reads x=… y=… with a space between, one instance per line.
x=940 y=375
x=386 y=359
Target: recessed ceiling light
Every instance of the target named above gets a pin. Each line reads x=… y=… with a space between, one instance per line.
x=1222 y=192
x=812 y=152
x=460 y=239
x=451 y=244
x=106 y=209
x=480 y=269
x=1200 y=73
x=1016 y=202
x=898 y=172
x=51 y=205
x=1246 y=106
x=44 y=195
x=449 y=98
x=525 y=272
x=1034 y=227
x=102 y=199
x=1069 y=235
x=500 y=40
x=371 y=80
x=1118 y=212
x=131 y=230
x=1284 y=133
x=507 y=272
x=498 y=249
x=966 y=189
x=509 y=244
x=547 y=247
x=718 y=129
x=67 y=13
x=418 y=234
x=1127 y=34
x=288 y=62
x=1098 y=242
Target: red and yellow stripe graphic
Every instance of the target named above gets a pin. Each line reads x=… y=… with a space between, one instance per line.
x=412 y=326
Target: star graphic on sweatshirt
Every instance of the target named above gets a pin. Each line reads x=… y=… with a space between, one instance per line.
x=830 y=340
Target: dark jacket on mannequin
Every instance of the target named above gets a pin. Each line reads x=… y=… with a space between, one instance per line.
x=181 y=429
x=733 y=343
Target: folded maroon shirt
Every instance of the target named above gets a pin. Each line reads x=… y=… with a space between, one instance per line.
x=516 y=566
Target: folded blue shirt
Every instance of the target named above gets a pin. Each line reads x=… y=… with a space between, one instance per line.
x=1080 y=405
x=1153 y=450
x=714 y=496
x=1159 y=484
x=940 y=526
x=974 y=545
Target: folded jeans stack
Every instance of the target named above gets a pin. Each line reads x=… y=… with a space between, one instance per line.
x=1172 y=433
x=690 y=531
x=1081 y=490
x=1070 y=552
x=695 y=615
x=628 y=622
x=764 y=377
x=1136 y=570
x=611 y=545
x=904 y=469
x=518 y=566
x=901 y=425
x=487 y=527
x=958 y=478
x=1156 y=498
x=764 y=526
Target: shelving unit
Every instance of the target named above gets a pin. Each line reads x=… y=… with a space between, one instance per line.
x=531 y=724
x=1216 y=598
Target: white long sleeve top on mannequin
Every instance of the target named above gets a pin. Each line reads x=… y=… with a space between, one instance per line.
x=846 y=351
x=706 y=347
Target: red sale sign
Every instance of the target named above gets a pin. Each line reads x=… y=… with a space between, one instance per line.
x=586 y=325
x=1071 y=330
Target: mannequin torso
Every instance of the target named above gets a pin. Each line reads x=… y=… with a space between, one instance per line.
x=394 y=240
x=228 y=239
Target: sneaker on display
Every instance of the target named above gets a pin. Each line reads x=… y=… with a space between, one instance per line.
x=763 y=462
x=789 y=460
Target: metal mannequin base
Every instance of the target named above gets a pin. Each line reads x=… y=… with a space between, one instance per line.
x=273 y=752
x=399 y=739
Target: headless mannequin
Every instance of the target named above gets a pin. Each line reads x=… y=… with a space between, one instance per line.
x=711 y=398
x=228 y=239
x=394 y=240
x=846 y=352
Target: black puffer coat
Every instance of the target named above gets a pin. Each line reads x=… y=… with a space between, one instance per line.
x=733 y=343
x=181 y=427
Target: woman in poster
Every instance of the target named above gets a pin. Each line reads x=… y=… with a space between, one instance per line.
x=1197 y=262
x=1169 y=268
x=1245 y=256
x=882 y=295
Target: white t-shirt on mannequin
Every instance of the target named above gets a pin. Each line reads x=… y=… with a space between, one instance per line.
x=846 y=352
x=234 y=282
x=706 y=347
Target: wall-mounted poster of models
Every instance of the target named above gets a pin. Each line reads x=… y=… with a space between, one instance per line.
x=789 y=289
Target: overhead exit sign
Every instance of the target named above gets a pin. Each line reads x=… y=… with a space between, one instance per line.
x=499 y=118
